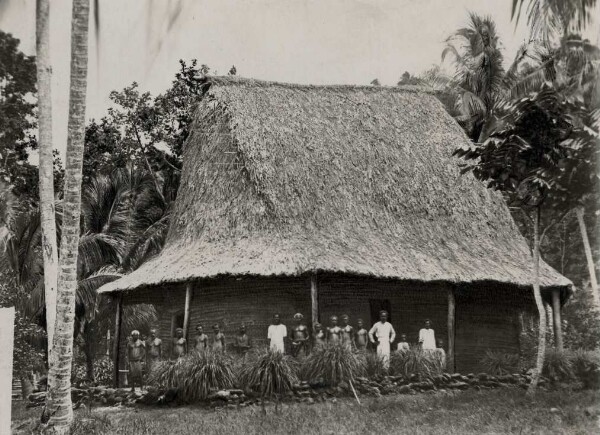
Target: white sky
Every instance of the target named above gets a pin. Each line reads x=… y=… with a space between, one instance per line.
x=302 y=41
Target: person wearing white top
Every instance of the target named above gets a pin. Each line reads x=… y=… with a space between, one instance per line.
x=276 y=335
x=427 y=337
x=384 y=331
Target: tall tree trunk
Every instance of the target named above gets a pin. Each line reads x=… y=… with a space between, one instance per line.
x=59 y=392
x=541 y=351
x=46 y=165
x=90 y=340
x=588 y=256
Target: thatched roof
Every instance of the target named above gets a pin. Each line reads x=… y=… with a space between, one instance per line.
x=283 y=179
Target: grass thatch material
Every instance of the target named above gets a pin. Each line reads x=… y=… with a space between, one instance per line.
x=269 y=373
x=286 y=179
x=195 y=375
x=333 y=364
x=425 y=363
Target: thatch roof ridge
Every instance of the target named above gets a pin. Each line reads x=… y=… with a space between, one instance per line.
x=243 y=81
x=285 y=179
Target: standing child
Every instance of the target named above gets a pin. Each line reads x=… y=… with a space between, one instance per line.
x=179 y=347
x=154 y=354
x=403 y=345
x=243 y=342
x=201 y=340
x=334 y=332
x=347 y=332
x=362 y=336
x=427 y=337
x=218 y=343
x=319 y=336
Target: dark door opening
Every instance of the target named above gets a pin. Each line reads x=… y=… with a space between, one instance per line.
x=376 y=306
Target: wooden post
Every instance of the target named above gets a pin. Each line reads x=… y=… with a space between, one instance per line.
x=451 y=328
x=588 y=255
x=186 y=310
x=7 y=322
x=117 y=338
x=314 y=298
x=557 y=322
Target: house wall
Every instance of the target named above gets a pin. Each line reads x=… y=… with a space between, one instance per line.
x=487 y=316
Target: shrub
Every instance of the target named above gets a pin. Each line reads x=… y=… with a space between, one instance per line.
x=424 y=363
x=558 y=365
x=333 y=364
x=586 y=367
x=374 y=365
x=103 y=371
x=499 y=363
x=270 y=373
x=195 y=375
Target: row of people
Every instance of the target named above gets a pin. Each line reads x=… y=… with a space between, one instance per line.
x=381 y=335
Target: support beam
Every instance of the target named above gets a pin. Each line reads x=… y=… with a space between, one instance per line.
x=314 y=299
x=117 y=339
x=557 y=321
x=451 y=328
x=186 y=310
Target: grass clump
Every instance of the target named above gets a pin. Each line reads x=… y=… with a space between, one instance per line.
x=558 y=365
x=374 y=365
x=195 y=375
x=269 y=373
x=499 y=363
x=424 y=363
x=334 y=364
x=586 y=367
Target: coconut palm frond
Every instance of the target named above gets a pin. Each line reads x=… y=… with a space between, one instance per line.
x=97 y=250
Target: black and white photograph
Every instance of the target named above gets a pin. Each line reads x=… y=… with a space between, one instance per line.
x=299 y=217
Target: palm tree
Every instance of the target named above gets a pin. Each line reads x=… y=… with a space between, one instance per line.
x=549 y=17
x=59 y=405
x=46 y=167
x=480 y=88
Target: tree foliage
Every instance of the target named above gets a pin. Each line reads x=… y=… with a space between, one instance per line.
x=17 y=117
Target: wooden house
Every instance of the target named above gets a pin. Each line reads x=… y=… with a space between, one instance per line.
x=337 y=200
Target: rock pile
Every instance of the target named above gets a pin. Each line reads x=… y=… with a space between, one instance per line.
x=303 y=392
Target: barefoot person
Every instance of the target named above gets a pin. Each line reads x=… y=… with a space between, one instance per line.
x=154 y=353
x=427 y=337
x=200 y=340
x=347 y=333
x=179 y=344
x=384 y=331
x=218 y=342
x=334 y=332
x=276 y=335
x=362 y=336
x=320 y=339
x=136 y=354
x=242 y=342
x=299 y=337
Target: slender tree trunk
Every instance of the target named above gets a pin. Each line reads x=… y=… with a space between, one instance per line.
x=59 y=393
x=46 y=166
x=541 y=351
x=588 y=256
x=90 y=339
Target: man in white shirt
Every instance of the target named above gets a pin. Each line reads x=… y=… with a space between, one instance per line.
x=427 y=337
x=276 y=334
x=384 y=331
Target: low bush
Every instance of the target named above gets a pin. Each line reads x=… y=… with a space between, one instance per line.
x=195 y=375
x=333 y=364
x=103 y=371
x=558 y=365
x=499 y=363
x=586 y=367
x=269 y=373
x=424 y=363
x=374 y=365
